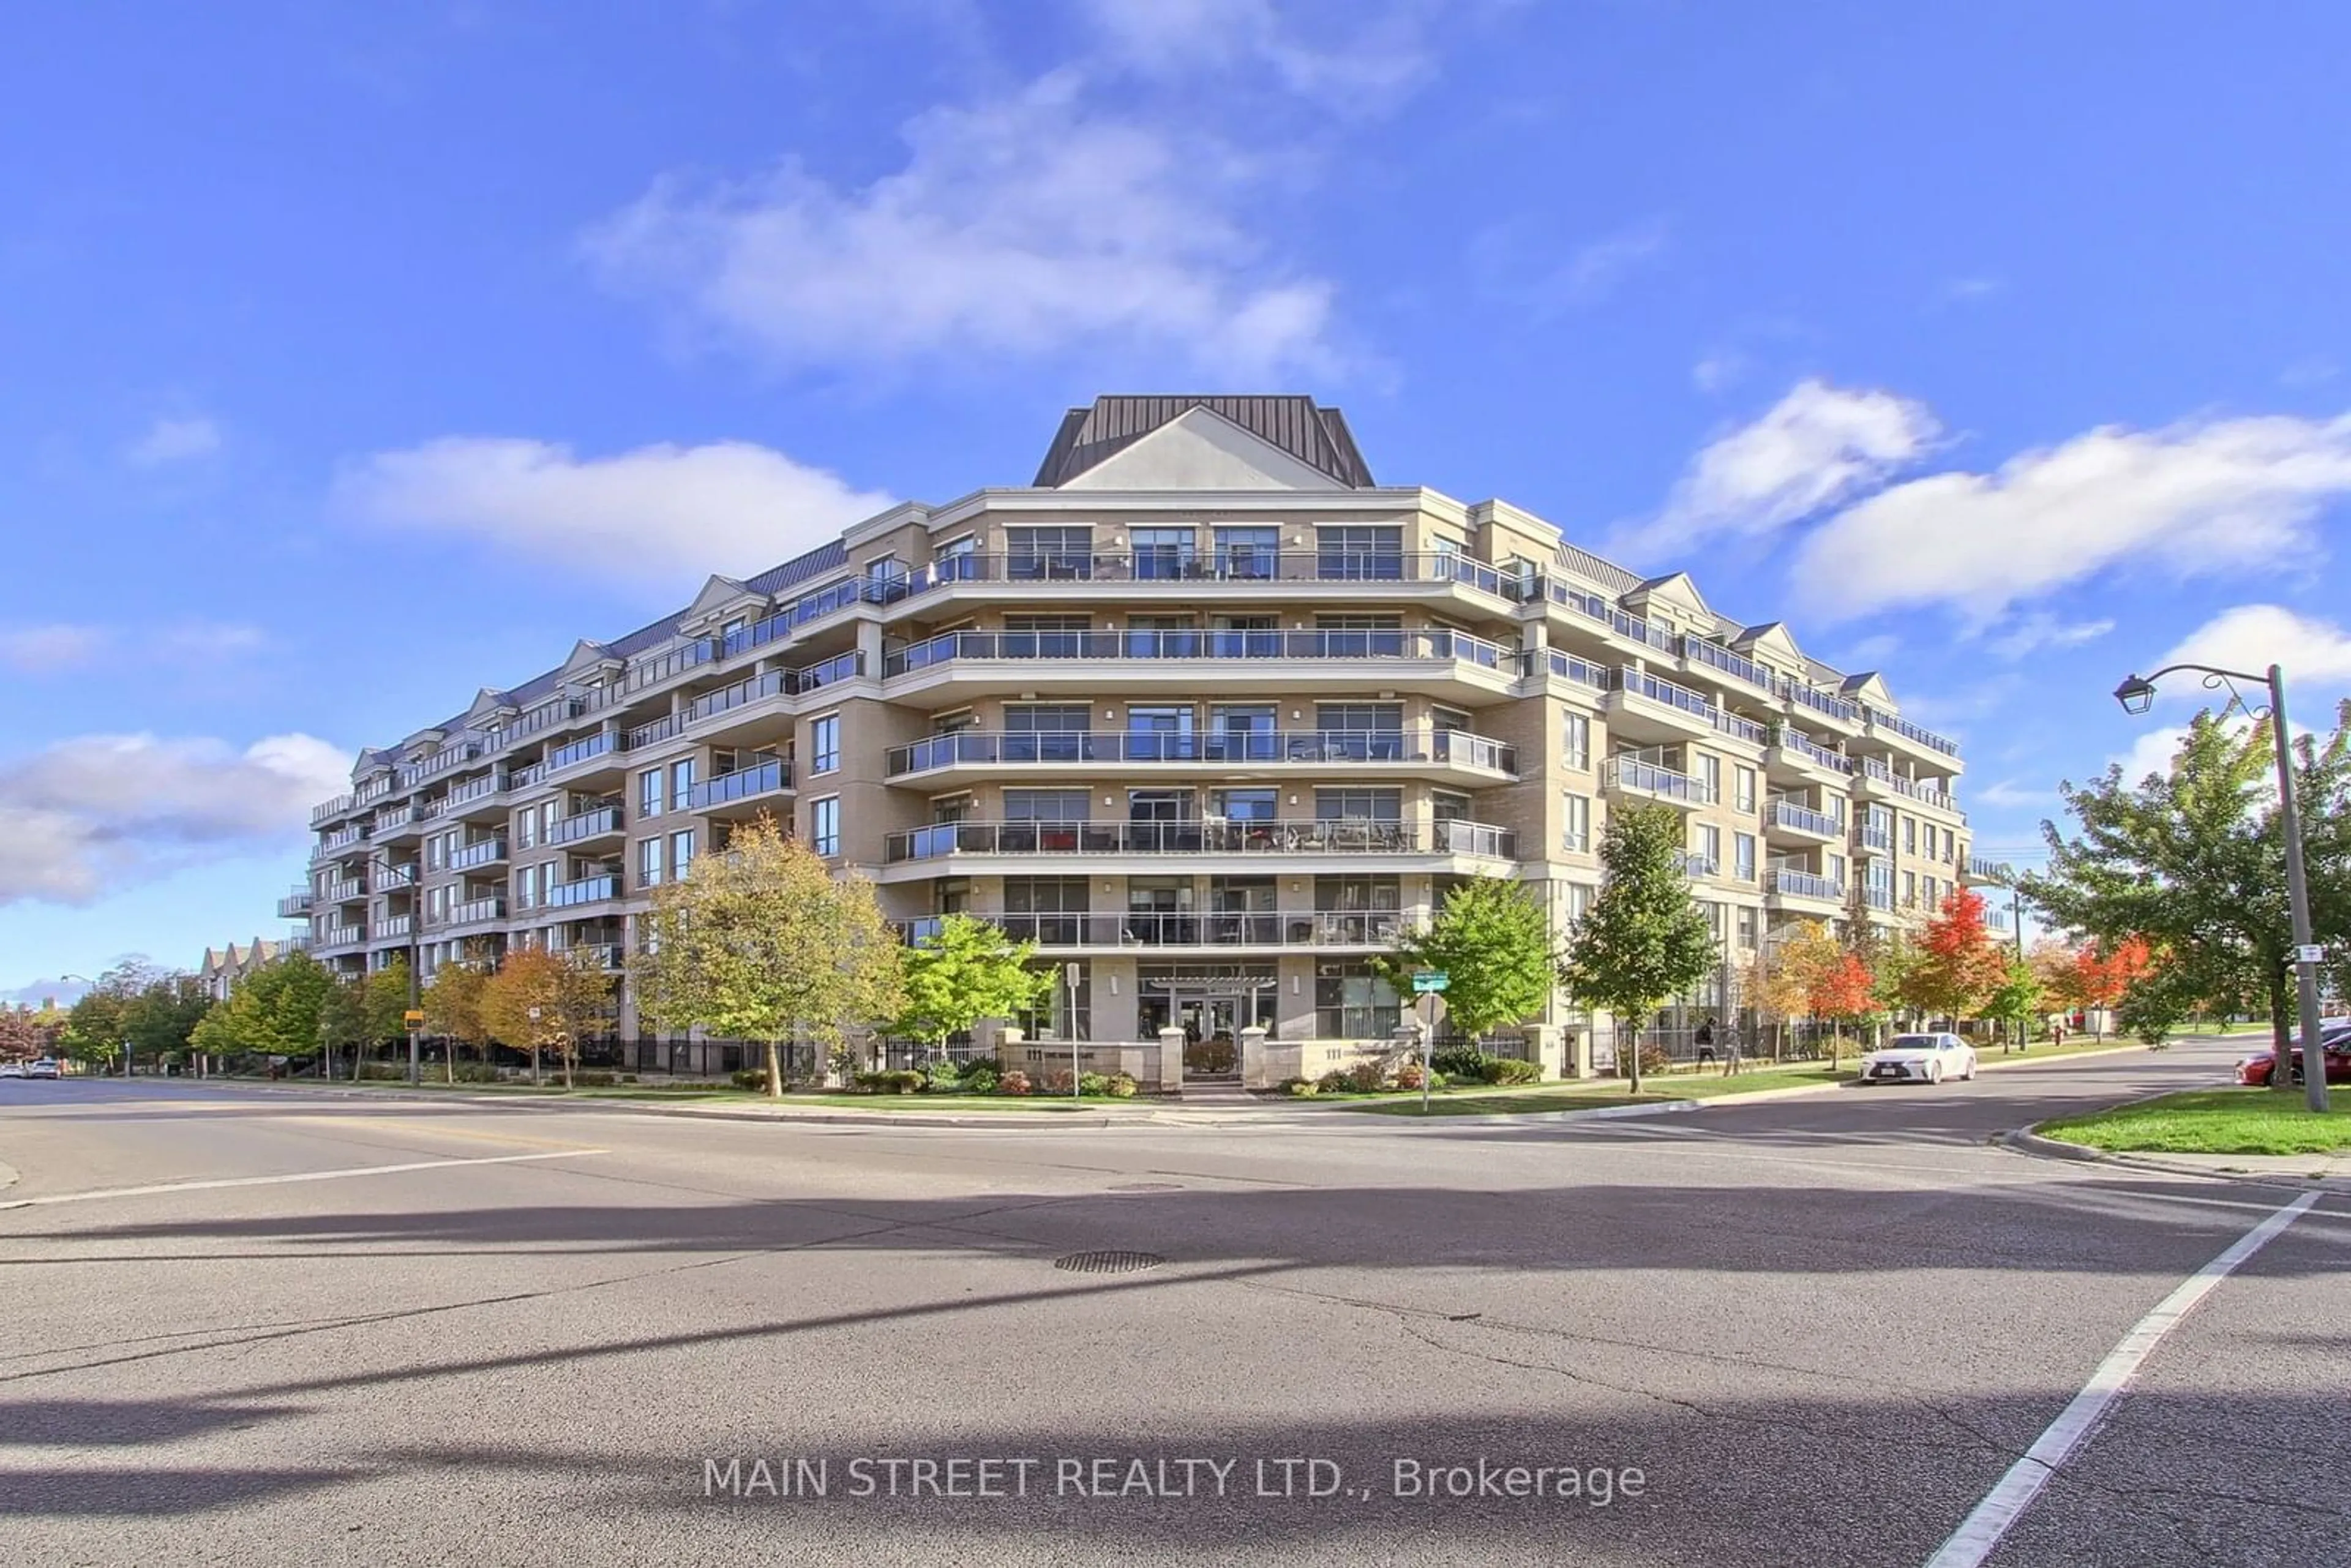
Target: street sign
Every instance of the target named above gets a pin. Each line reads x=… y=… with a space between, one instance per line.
x=1430 y=979
x=412 y=1016
x=2310 y=953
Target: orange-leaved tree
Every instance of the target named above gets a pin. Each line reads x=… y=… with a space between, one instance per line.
x=2105 y=974
x=539 y=1000
x=1959 y=965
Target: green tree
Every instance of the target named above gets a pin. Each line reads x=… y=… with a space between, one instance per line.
x=965 y=971
x=451 y=1002
x=2192 y=860
x=160 y=1017
x=2155 y=1003
x=276 y=1010
x=759 y=941
x=1491 y=937
x=2016 y=999
x=1643 y=939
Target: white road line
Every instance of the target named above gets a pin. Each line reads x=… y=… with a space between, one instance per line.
x=297 y=1175
x=2006 y=1503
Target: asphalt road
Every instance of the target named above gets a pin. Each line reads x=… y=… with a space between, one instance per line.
x=1820 y=1329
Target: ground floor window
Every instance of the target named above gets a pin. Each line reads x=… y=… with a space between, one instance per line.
x=1351 y=1002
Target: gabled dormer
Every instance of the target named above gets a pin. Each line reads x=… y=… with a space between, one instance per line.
x=721 y=599
x=491 y=709
x=1868 y=688
x=1771 y=645
x=1672 y=598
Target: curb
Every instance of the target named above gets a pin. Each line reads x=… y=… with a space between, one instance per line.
x=1588 y=1114
x=2024 y=1141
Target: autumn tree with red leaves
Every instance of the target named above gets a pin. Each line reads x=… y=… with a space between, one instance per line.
x=2103 y=976
x=1959 y=965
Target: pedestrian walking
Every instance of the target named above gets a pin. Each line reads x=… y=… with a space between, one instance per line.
x=1733 y=1050
x=1705 y=1039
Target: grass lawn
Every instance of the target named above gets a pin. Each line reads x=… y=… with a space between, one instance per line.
x=2211 y=1121
x=1578 y=1096
x=706 y=1092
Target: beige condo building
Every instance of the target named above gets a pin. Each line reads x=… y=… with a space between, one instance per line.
x=1204 y=711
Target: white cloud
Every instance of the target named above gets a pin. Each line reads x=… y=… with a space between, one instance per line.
x=1022 y=225
x=1594 y=270
x=1815 y=447
x=1718 y=371
x=1377 y=58
x=48 y=650
x=1872 y=651
x=2202 y=497
x=37 y=649
x=2009 y=795
x=2152 y=752
x=674 y=512
x=2252 y=637
x=88 y=816
x=2032 y=633
x=175 y=441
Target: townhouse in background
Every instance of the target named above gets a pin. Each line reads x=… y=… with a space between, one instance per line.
x=1204 y=711
x=225 y=966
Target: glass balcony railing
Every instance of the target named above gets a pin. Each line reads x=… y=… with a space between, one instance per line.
x=341 y=936
x=324 y=810
x=1582 y=671
x=480 y=852
x=1793 y=884
x=765 y=779
x=1020 y=747
x=389 y=877
x=602 y=743
x=1827 y=703
x=1805 y=820
x=294 y=904
x=1912 y=789
x=1188 y=928
x=476 y=912
x=589 y=824
x=1982 y=870
x=1095 y=646
x=1458 y=836
x=1641 y=684
x=393 y=928
x=584 y=890
x=1790 y=739
x=1640 y=777
x=340 y=839
x=1878 y=718
x=1738 y=666
x=1219 y=563
x=1697 y=864
x=1745 y=729
x=1339 y=836
x=344 y=890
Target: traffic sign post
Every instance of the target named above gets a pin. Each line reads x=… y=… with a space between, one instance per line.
x=414 y=1019
x=1427 y=984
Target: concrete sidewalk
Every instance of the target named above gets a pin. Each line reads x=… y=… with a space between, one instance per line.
x=2331 y=1172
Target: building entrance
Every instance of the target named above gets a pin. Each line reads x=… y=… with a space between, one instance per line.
x=1211 y=1006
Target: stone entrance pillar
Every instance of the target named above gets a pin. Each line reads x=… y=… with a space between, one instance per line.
x=1171 y=1060
x=1253 y=1062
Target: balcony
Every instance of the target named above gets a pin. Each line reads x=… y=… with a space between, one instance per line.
x=1881 y=725
x=393 y=928
x=1788 y=817
x=1721 y=661
x=390 y=877
x=476 y=912
x=1399 y=750
x=474 y=797
x=1345 y=836
x=1877 y=778
x=1791 y=750
x=1631 y=776
x=1380 y=655
x=1579 y=672
x=344 y=890
x=1695 y=864
x=1785 y=882
x=603 y=749
x=1879 y=898
x=744 y=785
x=597 y=889
x=1458 y=836
x=1992 y=872
x=1645 y=708
x=341 y=936
x=327 y=809
x=295 y=941
x=294 y=904
x=1189 y=929
x=596 y=954
x=480 y=852
x=1870 y=839
x=1239 y=565
x=601 y=822
x=1826 y=705
x=342 y=841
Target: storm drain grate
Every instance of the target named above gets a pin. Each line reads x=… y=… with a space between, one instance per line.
x=1109 y=1262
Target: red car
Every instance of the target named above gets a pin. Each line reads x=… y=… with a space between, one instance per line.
x=2256 y=1069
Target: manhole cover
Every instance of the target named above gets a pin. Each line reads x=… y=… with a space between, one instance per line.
x=1108 y=1262
x=1148 y=1186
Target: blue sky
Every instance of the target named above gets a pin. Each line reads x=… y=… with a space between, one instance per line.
x=2015 y=331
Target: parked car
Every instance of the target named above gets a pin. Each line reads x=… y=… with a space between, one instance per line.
x=2259 y=1068
x=45 y=1068
x=1919 y=1059
x=12 y=1070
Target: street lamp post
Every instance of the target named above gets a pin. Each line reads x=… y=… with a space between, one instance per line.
x=2137 y=695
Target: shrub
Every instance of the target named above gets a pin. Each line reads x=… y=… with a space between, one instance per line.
x=1058 y=1082
x=1369 y=1077
x=1510 y=1069
x=1335 y=1082
x=1409 y=1074
x=895 y=1081
x=476 y=1073
x=592 y=1080
x=755 y=1079
x=628 y=1078
x=1092 y=1083
x=987 y=1064
x=942 y=1077
x=1460 y=1062
x=1013 y=1082
x=980 y=1078
x=1655 y=1058
x=1121 y=1086
x=1300 y=1088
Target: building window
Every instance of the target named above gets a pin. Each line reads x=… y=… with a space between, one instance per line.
x=681 y=783
x=527 y=828
x=1164 y=553
x=649 y=792
x=1747 y=929
x=824 y=744
x=1032 y=554
x=1910 y=835
x=1359 y=805
x=1742 y=856
x=824 y=825
x=681 y=854
x=1577 y=903
x=1743 y=780
x=1251 y=552
x=1575 y=822
x=1243 y=805
x=1710 y=849
x=1575 y=740
x=1046 y=805
x=1359 y=553
x=1351 y=1002
x=1710 y=775
x=648 y=862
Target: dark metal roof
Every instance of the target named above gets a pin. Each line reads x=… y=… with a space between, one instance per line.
x=1318 y=437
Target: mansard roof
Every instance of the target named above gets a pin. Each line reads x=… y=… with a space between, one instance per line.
x=1316 y=436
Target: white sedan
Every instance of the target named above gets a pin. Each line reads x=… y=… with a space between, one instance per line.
x=1919 y=1059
